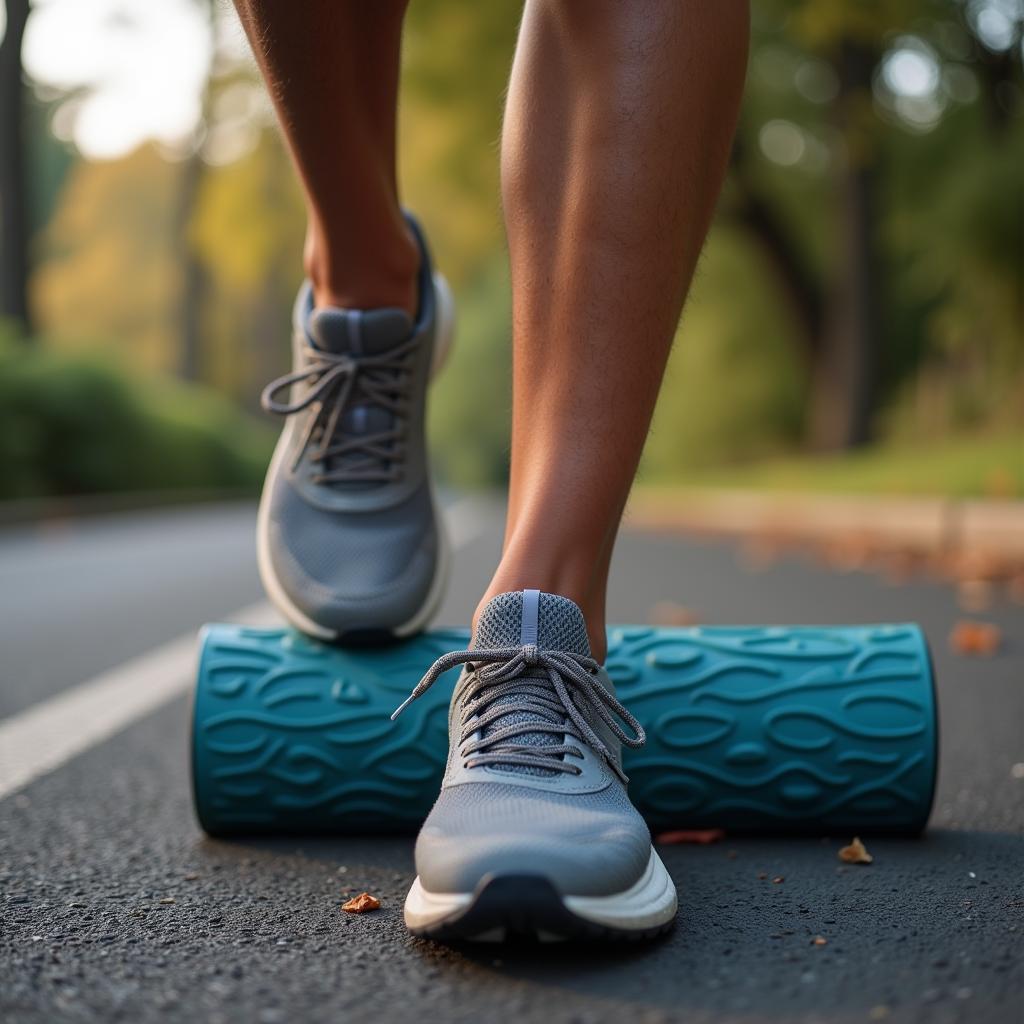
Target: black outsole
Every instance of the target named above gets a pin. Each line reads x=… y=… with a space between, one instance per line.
x=526 y=907
x=367 y=638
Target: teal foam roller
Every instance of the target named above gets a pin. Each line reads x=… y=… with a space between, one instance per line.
x=753 y=729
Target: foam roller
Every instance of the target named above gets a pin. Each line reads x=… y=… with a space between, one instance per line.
x=752 y=729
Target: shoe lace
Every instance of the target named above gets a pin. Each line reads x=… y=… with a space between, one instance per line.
x=337 y=381
x=549 y=692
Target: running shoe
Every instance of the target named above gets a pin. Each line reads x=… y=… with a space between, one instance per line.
x=533 y=832
x=350 y=541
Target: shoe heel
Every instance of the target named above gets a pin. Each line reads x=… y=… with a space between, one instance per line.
x=445 y=323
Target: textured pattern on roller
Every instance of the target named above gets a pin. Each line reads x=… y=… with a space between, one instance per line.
x=767 y=729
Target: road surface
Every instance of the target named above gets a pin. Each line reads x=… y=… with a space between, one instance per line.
x=116 y=907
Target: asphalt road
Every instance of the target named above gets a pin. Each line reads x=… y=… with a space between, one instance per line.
x=92 y=854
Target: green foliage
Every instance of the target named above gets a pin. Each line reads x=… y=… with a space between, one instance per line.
x=948 y=195
x=456 y=60
x=973 y=465
x=49 y=160
x=730 y=393
x=470 y=404
x=72 y=425
x=948 y=252
x=107 y=267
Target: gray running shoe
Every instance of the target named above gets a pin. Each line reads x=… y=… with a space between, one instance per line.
x=533 y=832
x=351 y=545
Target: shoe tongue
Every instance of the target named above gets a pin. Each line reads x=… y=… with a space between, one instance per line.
x=358 y=332
x=551 y=622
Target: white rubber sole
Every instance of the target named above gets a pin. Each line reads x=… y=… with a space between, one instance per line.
x=652 y=901
x=272 y=585
x=645 y=908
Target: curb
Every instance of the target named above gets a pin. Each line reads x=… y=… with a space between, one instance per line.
x=985 y=531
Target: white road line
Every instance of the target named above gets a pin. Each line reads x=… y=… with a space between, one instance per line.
x=45 y=736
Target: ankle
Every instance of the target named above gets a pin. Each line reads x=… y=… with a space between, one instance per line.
x=384 y=274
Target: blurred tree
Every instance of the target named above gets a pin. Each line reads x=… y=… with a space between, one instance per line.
x=456 y=60
x=14 y=199
x=838 y=137
x=194 y=275
x=107 y=273
x=871 y=224
x=248 y=229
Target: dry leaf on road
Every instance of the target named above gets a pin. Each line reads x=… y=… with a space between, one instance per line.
x=970 y=637
x=855 y=853
x=699 y=836
x=361 y=904
x=669 y=613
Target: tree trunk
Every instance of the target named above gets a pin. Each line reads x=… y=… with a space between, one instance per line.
x=14 y=212
x=800 y=289
x=845 y=378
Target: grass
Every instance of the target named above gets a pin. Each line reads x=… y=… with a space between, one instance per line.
x=976 y=466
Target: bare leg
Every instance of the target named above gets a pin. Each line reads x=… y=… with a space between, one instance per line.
x=332 y=70
x=617 y=132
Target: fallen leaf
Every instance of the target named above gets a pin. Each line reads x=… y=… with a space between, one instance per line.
x=855 y=853
x=847 y=553
x=698 y=836
x=975 y=595
x=819 y=940
x=898 y=566
x=971 y=637
x=759 y=553
x=978 y=565
x=361 y=904
x=669 y=613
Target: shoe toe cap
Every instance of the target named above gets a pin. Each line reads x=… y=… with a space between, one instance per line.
x=584 y=846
